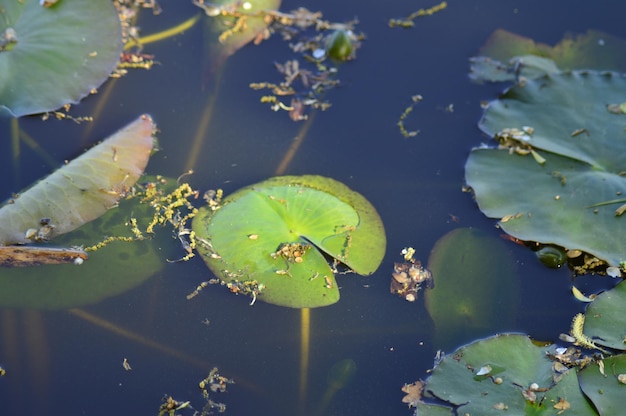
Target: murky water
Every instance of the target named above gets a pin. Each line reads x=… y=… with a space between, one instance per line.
x=70 y=362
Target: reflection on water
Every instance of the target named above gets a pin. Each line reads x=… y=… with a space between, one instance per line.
x=59 y=362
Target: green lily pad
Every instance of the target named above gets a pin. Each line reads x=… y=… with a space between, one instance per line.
x=606 y=391
x=60 y=53
x=81 y=190
x=274 y=233
x=518 y=363
x=564 y=119
x=605 y=318
x=476 y=289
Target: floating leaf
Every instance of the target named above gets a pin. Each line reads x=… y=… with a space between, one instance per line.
x=568 y=200
x=59 y=55
x=605 y=318
x=605 y=391
x=528 y=385
x=272 y=233
x=80 y=191
x=112 y=270
x=475 y=286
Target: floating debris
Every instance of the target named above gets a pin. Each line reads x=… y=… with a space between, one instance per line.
x=409 y=21
x=216 y=383
x=170 y=406
x=309 y=76
x=413 y=393
x=583 y=340
x=213 y=382
x=484 y=370
x=406 y=133
x=581 y=296
x=408 y=278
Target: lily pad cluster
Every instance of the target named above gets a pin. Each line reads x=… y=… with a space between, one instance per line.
x=558 y=175
x=510 y=372
x=276 y=237
x=55 y=53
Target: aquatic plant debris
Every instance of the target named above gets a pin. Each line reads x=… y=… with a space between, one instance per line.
x=409 y=21
x=409 y=277
x=54 y=56
x=403 y=130
x=317 y=45
x=213 y=382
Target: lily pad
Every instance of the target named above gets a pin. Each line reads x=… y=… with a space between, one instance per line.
x=606 y=391
x=274 y=233
x=605 y=318
x=518 y=378
x=55 y=55
x=564 y=120
x=476 y=288
x=81 y=190
x=112 y=270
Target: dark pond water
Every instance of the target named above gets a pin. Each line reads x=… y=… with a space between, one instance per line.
x=59 y=362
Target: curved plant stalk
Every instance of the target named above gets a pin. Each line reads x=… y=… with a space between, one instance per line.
x=165 y=34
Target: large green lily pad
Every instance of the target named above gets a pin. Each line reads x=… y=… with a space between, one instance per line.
x=476 y=289
x=308 y=214
x=59 y=55
x=466 y=379
x=555 y=202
